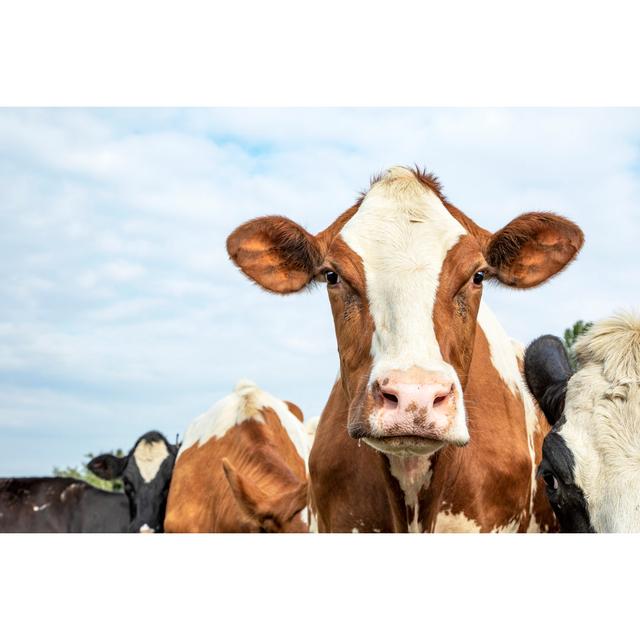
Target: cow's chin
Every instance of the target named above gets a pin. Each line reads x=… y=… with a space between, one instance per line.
x=405 y=445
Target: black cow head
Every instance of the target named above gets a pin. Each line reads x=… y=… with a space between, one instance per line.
x=146 y=474
x=548 y=372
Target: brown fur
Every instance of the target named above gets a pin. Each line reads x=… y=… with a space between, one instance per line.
x=263 y=487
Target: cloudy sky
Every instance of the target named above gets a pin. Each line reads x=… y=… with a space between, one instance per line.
x=121 y=313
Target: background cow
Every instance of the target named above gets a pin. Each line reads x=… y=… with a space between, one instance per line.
x=428 y=378
x=67 y=505
x=241 y=468
x=591 y=458
x=60 y=505
x=146 y=475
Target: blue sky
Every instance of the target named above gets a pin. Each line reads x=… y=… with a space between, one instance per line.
x=121 y=313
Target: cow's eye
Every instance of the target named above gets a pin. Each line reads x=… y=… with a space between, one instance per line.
x=478 y=277
x=551 y=481
x=332 y=277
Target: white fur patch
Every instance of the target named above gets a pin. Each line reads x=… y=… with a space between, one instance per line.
x=413 y=474
x=504 y=357
x=313 y=522
x=310 y=428
x=534 y=525
x=149 y=456
x=246 y=401
x=501 y=347
x=448 y=522
x=402 y=232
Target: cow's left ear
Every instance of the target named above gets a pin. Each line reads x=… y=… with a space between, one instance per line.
x=532 y=248
x=107 y=466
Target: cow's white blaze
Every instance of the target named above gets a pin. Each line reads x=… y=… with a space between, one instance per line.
x=246 y=401
x=149 y=456
x=403 y=232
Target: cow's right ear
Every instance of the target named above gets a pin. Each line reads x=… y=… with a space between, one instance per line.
x=276 y=253
x=547 y=370
x=107 y=466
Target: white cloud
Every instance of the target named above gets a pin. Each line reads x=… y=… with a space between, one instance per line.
x=121 y=308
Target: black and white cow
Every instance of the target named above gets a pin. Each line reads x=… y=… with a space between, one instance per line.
x=591 y=458
x=146 y=474
x=67 y=505
x=60 y=505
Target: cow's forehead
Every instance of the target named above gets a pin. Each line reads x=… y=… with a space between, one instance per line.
x=149 y=456
x=601 y=415
x=402 y=232
x=400 y=222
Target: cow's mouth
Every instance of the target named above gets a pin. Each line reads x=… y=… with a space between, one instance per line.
x=405 y=445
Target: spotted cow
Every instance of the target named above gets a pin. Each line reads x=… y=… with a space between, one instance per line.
x=146 y=475
x=242 y=468
x=591 y=458
x=430 y=426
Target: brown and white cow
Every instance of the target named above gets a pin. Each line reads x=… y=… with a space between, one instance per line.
x=429 y=380
x=241 y=468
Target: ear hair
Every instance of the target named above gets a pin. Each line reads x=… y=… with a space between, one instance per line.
x=107 y=466
x=276 y=253
x=532 y=248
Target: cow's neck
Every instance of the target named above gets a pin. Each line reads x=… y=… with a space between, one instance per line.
x=413 y=474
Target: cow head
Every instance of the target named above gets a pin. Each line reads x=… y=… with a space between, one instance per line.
x=591 y=458
x=404 y=271
x=268 y=512
x=146 y=474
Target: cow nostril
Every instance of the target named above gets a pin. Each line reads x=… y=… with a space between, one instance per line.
x=389 y=397
x=443 y=397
